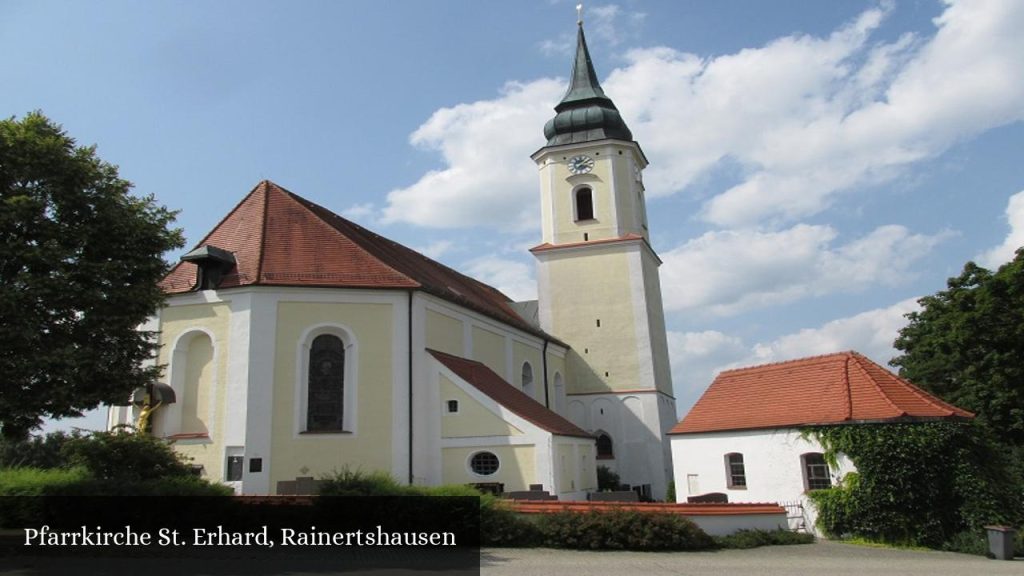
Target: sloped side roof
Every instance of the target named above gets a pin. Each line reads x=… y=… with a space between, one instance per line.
x=831 y=389
x=281 y=239
x=485 y=380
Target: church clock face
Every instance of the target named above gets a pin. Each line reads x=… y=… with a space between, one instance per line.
x=581 y=164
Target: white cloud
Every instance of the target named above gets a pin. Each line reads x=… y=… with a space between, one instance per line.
x=871 y=333
x=606 y=24
x=360 y=212
x=489 y=179
x=697 y=357
x=811 y=118
x=804 y=117
x=514 y=278
x=728 y=272
x=1015 y=239
x=436 y=249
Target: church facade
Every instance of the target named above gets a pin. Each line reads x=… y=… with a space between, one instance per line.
x=298 y=343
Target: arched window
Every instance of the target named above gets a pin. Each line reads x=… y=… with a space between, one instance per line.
x=816 y=476
x=584 y=204
x=527 y=379
x=604 y=447
x=735 y=471
x=325 y=407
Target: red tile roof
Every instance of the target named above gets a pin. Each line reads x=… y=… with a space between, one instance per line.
x=281 y=239
x=499 y=390
x=831 y=389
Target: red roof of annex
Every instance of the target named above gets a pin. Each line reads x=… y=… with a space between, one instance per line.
x=831 y=389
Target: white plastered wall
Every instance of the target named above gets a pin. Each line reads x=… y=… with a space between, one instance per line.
x=771 y=458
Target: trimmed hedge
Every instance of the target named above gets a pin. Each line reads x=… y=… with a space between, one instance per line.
x=743 y=539
x=622 y=530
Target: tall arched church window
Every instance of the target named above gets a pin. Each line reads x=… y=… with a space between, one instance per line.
x=584 y=204
x=605 y=451
x=326 y=391
x=527 y=379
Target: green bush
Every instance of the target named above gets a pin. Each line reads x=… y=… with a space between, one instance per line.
x=622 y=530
x=124 y=456
x=349 y=482
x=501 y=527
x=39 y=482
x=743 y=539
x=968 y=542
x=35 y=452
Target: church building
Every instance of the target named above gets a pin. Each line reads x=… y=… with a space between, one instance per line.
x=298 y=343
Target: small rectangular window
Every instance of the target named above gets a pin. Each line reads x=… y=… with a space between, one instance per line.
x=453 y=406
x=735 y=471
x=816 y=476
x=255 y=465
x=234 y=468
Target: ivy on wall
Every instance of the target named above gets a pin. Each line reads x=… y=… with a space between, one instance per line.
x=917 y=483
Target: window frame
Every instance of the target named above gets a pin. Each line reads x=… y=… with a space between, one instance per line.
x=810 y=478
x=730 y=471
x=610 y=455
x=350 y=381
x=527 y=386
x=474 y=455
x=576 y=193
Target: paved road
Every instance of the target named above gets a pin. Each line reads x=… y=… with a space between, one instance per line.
x=828 y=558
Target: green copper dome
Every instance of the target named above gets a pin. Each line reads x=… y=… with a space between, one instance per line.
x=585 y=114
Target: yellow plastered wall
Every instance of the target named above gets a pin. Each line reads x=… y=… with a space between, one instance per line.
x=658 y=333
x=587 y=287
x=472 y=419
x=522 y=353
x=206 y=367
x=489 y=349
x=444 y=333
x=612 y=182
x=516 y=471
x=369 y=448
x=199 y=368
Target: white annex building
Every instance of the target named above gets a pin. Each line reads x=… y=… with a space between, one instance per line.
x=742 y=440
x=298 y=343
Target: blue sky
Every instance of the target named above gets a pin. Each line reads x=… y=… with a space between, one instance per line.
x=815 y=166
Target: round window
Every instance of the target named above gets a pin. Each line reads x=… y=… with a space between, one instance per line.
x=484 y=463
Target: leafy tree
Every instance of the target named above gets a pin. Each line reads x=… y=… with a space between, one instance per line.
x=80 y=258
x=967 y=346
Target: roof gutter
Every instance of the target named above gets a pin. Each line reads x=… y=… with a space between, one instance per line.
x=544 y=362
x=411 y=293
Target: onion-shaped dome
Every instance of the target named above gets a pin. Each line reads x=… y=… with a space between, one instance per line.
x=585 y=114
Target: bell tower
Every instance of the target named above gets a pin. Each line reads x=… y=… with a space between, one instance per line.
x=599 y=289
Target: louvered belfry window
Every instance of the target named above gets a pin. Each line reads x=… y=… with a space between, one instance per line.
x=326 y=402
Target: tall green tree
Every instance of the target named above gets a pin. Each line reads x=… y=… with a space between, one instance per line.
x=80 y=258
x=966 y=345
